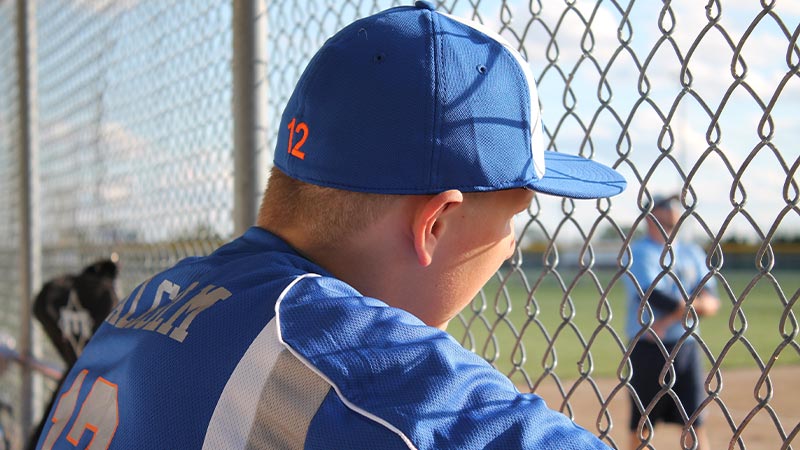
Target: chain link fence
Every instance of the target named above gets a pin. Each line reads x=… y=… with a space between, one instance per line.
x=136 y=136
x=135 y=130
x=9 y=204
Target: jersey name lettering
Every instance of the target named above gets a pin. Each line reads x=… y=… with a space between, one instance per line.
x=171 y=311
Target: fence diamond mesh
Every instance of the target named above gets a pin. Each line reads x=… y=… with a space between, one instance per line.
x=9 y=204
x=135 y=131
x=697 y=98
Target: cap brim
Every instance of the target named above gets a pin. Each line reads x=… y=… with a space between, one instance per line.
x=660 y=201
x=577 y=177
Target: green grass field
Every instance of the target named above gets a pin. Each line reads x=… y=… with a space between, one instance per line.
x=505 y=310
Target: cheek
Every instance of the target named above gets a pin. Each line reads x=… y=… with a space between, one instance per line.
x=512 y=240
x=502 y=244
x=491 y=241
x=502 y=231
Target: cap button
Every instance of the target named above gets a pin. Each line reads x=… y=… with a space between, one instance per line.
x=424 y=4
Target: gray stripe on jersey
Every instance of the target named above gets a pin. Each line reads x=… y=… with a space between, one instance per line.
x=236 y=408
x=289 y=400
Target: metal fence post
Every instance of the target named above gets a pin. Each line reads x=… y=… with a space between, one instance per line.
x=249 y=108
x=30 y=256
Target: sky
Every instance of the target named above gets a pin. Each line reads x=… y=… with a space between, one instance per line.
x=163 y=90
x=713 y=157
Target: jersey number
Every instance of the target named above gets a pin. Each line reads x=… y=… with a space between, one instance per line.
x=98 y=413
x=299 y=128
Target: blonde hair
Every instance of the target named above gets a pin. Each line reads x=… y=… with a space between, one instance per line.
x=328 y=217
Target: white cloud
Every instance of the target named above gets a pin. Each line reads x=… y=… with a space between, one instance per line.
x=710 y=68
x=106 y=6
x=784 y=8
x=115 y=135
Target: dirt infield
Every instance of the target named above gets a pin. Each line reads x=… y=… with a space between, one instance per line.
x=759 y=432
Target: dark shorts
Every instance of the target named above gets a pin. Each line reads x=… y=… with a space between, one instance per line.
x=647 y=362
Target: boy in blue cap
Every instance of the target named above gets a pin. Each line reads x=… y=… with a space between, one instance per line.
x=410 y=142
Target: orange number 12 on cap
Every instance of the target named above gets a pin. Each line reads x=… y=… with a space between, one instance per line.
x=297 y=127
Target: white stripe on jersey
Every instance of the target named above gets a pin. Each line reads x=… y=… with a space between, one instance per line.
x=236 y=408
x=344 y=399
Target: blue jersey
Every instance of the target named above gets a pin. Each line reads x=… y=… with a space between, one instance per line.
x=689 y=268
x=255 y=347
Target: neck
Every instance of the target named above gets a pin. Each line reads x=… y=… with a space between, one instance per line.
x=377 y=261
x=657 y=237
x=655 y=233
x=388 y=270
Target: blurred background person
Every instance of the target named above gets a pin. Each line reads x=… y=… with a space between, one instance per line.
x=668 y=305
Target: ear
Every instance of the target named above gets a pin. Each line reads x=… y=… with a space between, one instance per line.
x=428 y=226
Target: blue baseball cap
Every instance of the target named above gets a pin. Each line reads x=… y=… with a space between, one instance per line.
x=665 y=201
x=414 y=101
